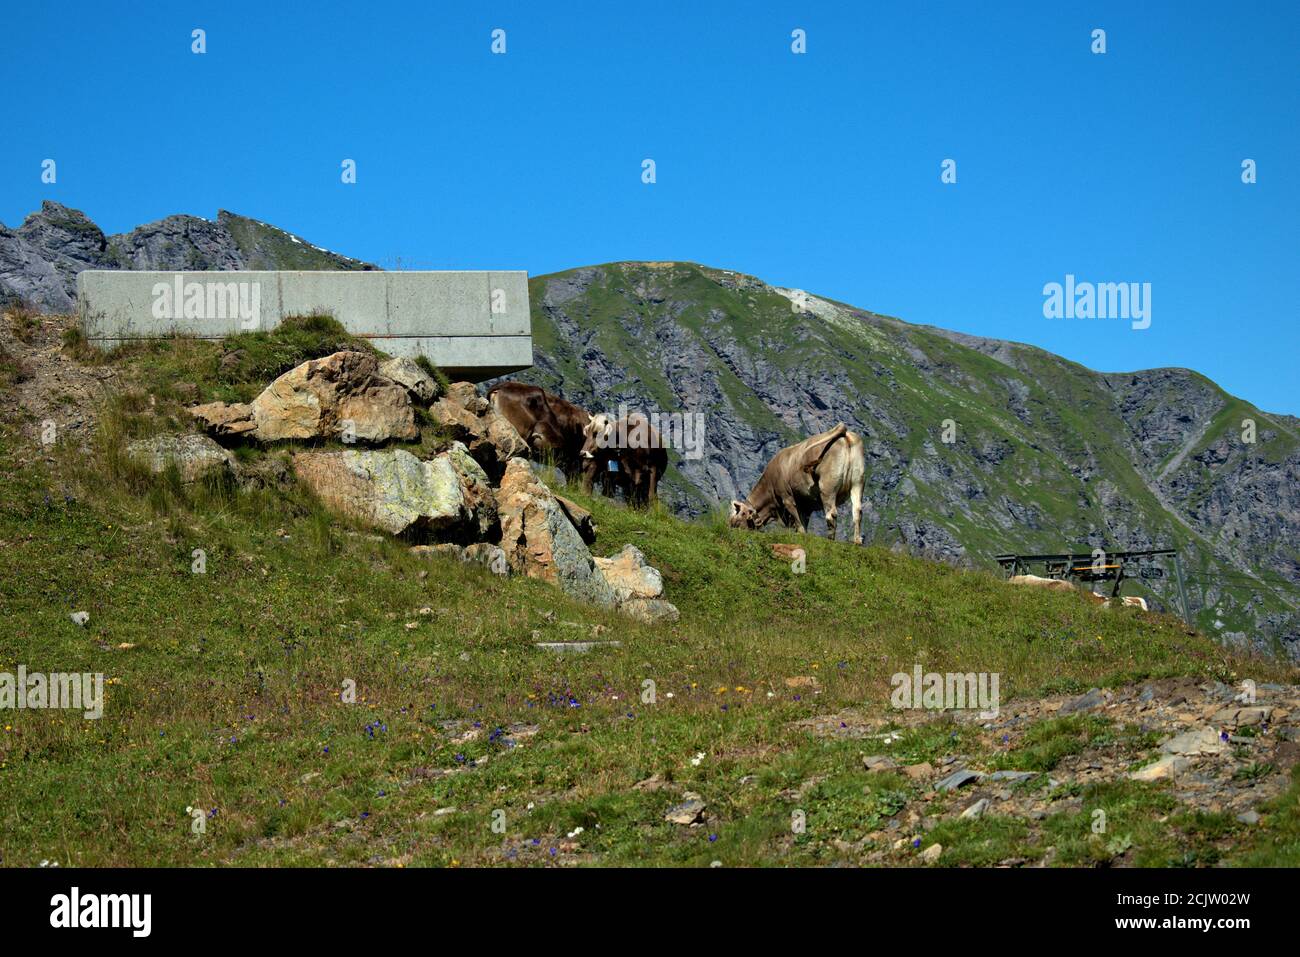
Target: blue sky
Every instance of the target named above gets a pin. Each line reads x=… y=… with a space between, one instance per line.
x=819 y=171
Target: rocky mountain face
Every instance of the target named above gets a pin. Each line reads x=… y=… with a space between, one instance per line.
x=975 y=447
x=39 y=260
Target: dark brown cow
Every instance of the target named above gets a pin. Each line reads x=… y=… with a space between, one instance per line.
x=636 y=449
x=816 y=473
x=543 y=420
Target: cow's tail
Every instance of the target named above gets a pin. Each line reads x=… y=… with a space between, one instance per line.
x=818 y=451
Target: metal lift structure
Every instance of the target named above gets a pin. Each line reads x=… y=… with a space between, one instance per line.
x=1100 y=566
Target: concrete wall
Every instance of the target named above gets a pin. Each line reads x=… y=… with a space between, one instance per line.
x=448 y=317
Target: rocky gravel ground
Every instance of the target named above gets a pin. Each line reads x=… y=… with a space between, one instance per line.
x=1218 y=751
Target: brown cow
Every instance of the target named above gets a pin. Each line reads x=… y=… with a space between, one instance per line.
x=543 y=420
x=635 y=448
x=816 y=473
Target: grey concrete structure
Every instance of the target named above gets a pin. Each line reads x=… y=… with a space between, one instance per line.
x=472 y=325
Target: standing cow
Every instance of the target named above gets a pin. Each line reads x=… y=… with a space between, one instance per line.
x=543 y=420
x=817 y=473
x=634 y=447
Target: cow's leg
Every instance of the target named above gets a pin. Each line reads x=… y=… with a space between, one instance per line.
x=588 y=474
x=832 y=513
x=652 y=486
x=855 y=495
x=795 y=512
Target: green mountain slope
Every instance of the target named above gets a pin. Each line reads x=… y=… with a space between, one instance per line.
x=1048 y=455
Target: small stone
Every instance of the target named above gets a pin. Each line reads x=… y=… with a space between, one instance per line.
x=688 y=812
x=879 y=762
x=575 y=647
x=1085 y=702
x=932 y=853
x=80 y=618
x=1202 y=741
x=1248 y=817
x=1015 y=776
x=976 y=810
x=957 y=779
x=802 y=681
x=1242 y=717
x=919 y=772
x=1166 y=767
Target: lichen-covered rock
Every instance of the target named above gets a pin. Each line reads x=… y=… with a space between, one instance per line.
x=480 y=498
x=340 y=396
x=388 y=489
x=539 y=540
x=193 y=455
x=406 y=373
x=630 y=576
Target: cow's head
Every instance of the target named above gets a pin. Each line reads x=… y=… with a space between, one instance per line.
x=595 y=434
x=743 y=515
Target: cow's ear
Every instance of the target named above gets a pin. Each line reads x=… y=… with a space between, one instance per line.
x=736 y=507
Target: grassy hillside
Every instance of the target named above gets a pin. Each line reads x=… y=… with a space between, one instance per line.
x=224 y=688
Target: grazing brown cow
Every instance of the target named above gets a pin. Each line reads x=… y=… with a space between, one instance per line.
x=817 y=473
x=634 y=447
x=543 y=420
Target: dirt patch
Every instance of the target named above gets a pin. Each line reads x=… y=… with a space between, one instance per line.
x=54 y=395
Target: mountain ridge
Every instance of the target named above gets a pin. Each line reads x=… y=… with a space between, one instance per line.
x=1047 y=455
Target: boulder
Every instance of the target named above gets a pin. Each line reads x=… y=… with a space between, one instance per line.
x=468 y=418
x=406 y=373
x=340 y=396
x=388 y=489
x=193 y=455
x=539 y=540
x=476 y=488
x=493 y=557
x=480 y=553
x=465 y=394
x=650 y=611
x=630 y=576
x=230 y=419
